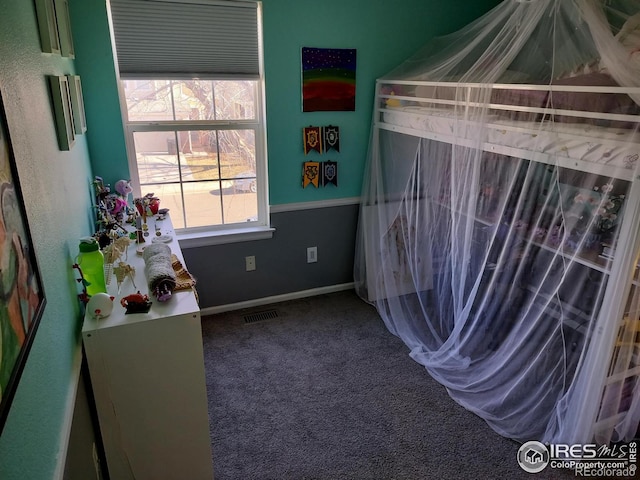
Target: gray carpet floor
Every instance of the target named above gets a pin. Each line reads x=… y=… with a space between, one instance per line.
x=324 y=391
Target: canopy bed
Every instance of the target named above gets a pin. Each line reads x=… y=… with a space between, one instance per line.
x=499 y=225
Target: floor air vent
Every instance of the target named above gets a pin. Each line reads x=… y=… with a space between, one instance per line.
x=259 y=316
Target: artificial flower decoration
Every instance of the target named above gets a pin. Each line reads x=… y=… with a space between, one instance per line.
x=608 y=208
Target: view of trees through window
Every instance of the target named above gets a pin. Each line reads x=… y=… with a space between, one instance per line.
x=195 y=147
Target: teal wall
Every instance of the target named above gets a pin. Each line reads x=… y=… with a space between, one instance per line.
x=383 y=32
x=95 y=65
x=56 y=190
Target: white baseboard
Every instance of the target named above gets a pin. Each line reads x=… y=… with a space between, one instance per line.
x=277 y=298
x=65 y=432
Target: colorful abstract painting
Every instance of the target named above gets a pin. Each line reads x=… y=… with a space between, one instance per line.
x=328 y=79
x=21 y=296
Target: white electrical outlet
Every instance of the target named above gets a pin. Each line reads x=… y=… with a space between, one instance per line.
x=312 y=254
x=250 y=263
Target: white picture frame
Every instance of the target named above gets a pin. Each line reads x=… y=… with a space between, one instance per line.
x=77 y=104
x=62 y=109
x=64 y=28
x=48 y=26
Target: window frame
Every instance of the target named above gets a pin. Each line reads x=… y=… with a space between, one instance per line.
x=214 y=233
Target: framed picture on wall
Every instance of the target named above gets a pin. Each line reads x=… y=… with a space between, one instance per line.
x=54 y=26
x=48 y=26
x=22 y=298
x=63 y=111
x=64 y=28
x=77 y=104
x=328 y=79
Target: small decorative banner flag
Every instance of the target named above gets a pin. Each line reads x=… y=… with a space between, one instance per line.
x=310 y=174
x=331 y=137
x=312 y=139
x=329 y=173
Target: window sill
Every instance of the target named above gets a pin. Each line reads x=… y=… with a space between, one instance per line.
x=203 y=239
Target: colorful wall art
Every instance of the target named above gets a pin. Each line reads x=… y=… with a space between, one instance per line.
x=321 y=139
x=21 y=295
x=328 y=79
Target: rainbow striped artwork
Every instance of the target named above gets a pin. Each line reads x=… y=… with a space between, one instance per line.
x=328 y=79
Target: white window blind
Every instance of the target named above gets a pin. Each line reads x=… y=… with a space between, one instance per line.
x=192 y=38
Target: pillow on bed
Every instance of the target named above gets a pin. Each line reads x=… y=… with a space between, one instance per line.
x=590 y=73
x=442 y=93
x=587 y=101
x=593 y=102
x=595 y=74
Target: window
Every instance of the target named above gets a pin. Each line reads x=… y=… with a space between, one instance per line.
x=195 y=148
x=194 y=115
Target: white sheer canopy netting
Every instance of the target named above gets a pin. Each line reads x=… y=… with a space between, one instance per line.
x=497 y=217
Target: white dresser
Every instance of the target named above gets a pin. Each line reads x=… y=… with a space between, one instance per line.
x=147 y=375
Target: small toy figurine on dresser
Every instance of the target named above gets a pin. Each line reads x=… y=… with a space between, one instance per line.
x=124 y=189
x=146 y=206
x=110 y=211
x=100 y=305
x=136 y=303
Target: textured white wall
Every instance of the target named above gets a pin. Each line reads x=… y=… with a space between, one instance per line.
x=56 y=190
